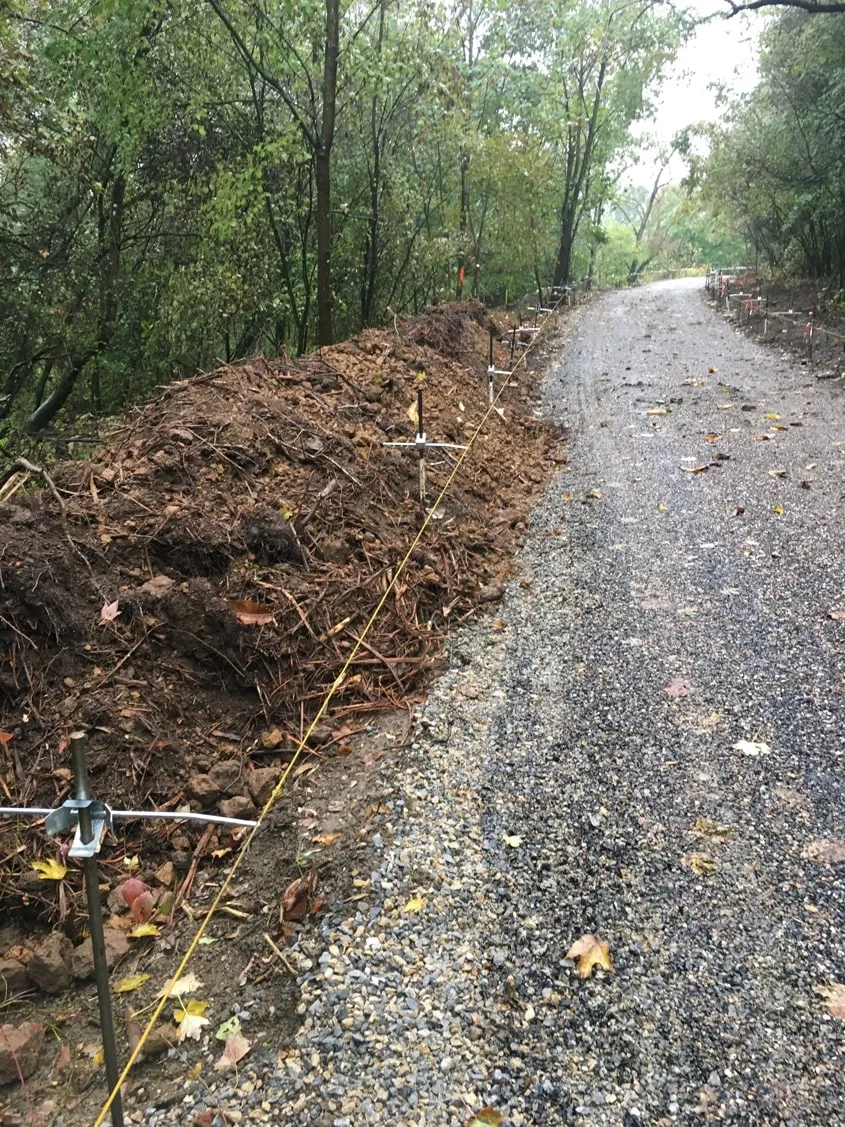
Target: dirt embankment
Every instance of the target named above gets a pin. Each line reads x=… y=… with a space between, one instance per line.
x=215 y=563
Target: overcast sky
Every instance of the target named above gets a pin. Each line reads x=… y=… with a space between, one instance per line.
x=721 y=51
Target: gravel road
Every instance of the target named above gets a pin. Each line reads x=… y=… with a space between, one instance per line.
x=576 y=771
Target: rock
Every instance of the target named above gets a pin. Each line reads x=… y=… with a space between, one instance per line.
x=50 y=965
x=13 y=979
x=272 y=739
x=82 y=959
x=226 y=776
x=261 y=783
x=322 y=734
x=238 y=807
x=203 y=789
x=20 y=1047
x=334 y=550
x=157 y=587
x=490 y=592
x=165 y=873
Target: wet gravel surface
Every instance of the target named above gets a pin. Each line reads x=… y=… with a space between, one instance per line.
x=575 y=771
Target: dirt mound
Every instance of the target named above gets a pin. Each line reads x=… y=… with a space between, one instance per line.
x=216 y=562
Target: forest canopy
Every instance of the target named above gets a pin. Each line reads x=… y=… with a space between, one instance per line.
x=184 y=182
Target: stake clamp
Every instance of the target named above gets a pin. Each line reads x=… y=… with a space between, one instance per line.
x=68 y=815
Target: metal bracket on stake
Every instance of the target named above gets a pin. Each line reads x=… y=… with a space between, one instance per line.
x=491 y=372
x=89 y=819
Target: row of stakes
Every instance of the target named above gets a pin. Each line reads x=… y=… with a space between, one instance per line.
x=719 y=282
x=91 y=819
x=421 y=442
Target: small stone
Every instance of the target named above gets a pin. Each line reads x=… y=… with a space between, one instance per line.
x=491 y=592
x=82 y=960
x=20 y=1048
x=50 y=965
x=226 y=776
x=203 y=789
x=237 y=807
x=272 y=739
x=13 y=979
x=157 y=587
x=261 y=783
x=165 y=873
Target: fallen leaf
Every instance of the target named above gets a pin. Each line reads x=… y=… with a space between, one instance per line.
x=131 y=889
x=827 y=850
x=250 y=613
x=777 y=426
x=415 y=905
x=772 y=415
x=657 y=411
x=750 y=747
x=143 y=930
x=594 y=494
x=762 y=438
x=295 y=901
x=228 y=1028
x=5 y=737
x=712 y=369
x=194 y=1007
x=190 y=1026
x=513 y=841
x=778 y=509
x=699 y=469
x=712 y=437
x=700 y=863
x=834 y=996
x=130 y=982
x=706 y=828
x=777 y=473
x=187 y=984
x=677 y=688
x=662 y=508
x=236 y=1049
x=590 y=952
x=109 y=611
x=50 y=870
x=568 y=496
x=412 y=414
x=487 y=1117
x=325 y=839
x=143 y=906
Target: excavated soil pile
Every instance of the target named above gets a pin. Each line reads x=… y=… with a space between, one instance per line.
x=216 y=562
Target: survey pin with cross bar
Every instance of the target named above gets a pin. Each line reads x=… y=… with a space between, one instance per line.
x=422 y=445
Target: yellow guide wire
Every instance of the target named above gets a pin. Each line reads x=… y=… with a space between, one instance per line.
x=280 y=785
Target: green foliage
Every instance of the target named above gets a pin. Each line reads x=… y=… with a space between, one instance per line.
x=776 y=169
x=158 y=180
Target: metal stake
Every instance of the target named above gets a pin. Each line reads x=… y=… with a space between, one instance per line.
x=89 y=836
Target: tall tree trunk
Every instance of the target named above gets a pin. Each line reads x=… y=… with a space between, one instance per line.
x=322 y=163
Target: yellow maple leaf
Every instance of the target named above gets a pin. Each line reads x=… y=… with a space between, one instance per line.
x=143 y=930
x=415 y=905
x=487 y=1117
x=50 y=870
x=590 y=952
x=192 y=1008
x=778 y=509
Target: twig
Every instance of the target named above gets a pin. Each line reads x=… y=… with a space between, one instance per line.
x=276 y=951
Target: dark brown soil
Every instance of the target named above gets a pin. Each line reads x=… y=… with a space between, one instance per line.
x=781 y=315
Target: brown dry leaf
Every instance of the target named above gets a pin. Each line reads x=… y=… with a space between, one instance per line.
x=712 y=369
x=295 y=901
x=698 y=469
x=325 y=839
x=236 y=1049
x=834 y=996
x=109 y=611
x=5 y=737
x=699 y=863
x=250 y=613
x=826 y=851
x=487 y=1117
x=63 y=1059
x=590 y=952
x=498 y=624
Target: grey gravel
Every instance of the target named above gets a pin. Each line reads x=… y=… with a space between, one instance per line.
x=560 y=733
